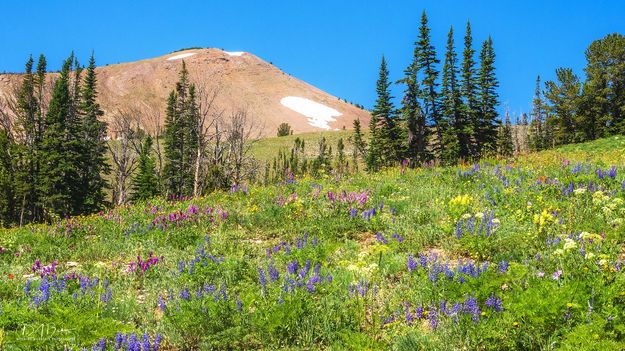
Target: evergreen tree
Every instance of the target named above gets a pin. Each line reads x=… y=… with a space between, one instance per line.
x=172 y=170
x=323 y=161
x=488 y=100
x=94 y=166
x=26 y=151
x=417 y=129
x=453 y=132
x=505 y=143
x=469 y=92
x=182 y=138
x=427 y=62
x=341 y=161
x=58 y=169
x=8 y=196
x=537 y=126
x=381 y=110
x=192 y=133
x=603 y=102
x=563 y=97
x=145 y=183
x=360 y=146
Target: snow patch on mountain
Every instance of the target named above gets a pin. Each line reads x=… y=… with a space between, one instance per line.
x=235 y=53
x=180 y=56
x=319 y=115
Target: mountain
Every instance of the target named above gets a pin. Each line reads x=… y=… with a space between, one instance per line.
x=241 y=79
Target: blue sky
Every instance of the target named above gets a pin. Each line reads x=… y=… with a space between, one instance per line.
x=332 y=44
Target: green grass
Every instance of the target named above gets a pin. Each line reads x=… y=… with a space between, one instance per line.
x=267 y=148
x=525 y=279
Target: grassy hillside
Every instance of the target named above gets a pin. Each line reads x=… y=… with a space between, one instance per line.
x=526 y=255
x=267 y=148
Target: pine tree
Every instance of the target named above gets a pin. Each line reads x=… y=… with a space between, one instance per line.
x=182 y=138
x=381 y=110
x=427 y=62
x=360 y=146
x=488 y=100
x=505 y=143
x=8 y=196
x=563 y=97
x=603 y=103
x=58 y=169
x=145 y=183
x=469 y=92
x=341 y=161
x=172 y=170
x=94 y=166
x=192 y=145
x=537 y=125
x=453 y=132
x=417 y=129
x=26 y=151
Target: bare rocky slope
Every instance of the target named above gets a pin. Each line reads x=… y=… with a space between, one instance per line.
x=241 y=79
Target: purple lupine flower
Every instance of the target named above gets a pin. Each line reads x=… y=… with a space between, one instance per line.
x=106 y=296
x=132 y=343
x=310 y=285
x=412 y=263
x=239 y=305
x=418 y=312
x=291 y=267
x=262 y=278
x=459 y=229
x=502 y=267
x=304 y=270
x=423 y=261
x=381 y=238
x=448 y=272
x=455 y=310
x=157 y=342
x=185 y=294
x=145 y=344
x=161 y=303
x=399 y=239
x=352 y=212
x=119 y=340
x=471 y=307
x=557 y=274
x=494 y=302
x=443 y=307
x=273 y=272
x=27 y=287
x=409 y=316
x=433 y=317
x=435 y=270
x=317 y=268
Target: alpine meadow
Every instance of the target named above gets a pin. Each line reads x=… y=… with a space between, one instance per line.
x=206 y=199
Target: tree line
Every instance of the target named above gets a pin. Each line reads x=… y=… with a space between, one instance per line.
x=52 y=148
x=451 y=116
x=56 y=159
x=569 y=110
x=446 y=116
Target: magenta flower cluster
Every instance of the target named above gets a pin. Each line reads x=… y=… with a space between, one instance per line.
x=142 y=265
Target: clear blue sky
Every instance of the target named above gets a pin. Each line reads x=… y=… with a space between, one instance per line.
x=332 y=44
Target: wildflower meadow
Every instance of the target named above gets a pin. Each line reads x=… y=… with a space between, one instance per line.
x=499 y=255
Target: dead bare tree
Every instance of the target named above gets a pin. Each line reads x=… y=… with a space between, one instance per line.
x=123 y=148
x=242 y=131
x=209 y=115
